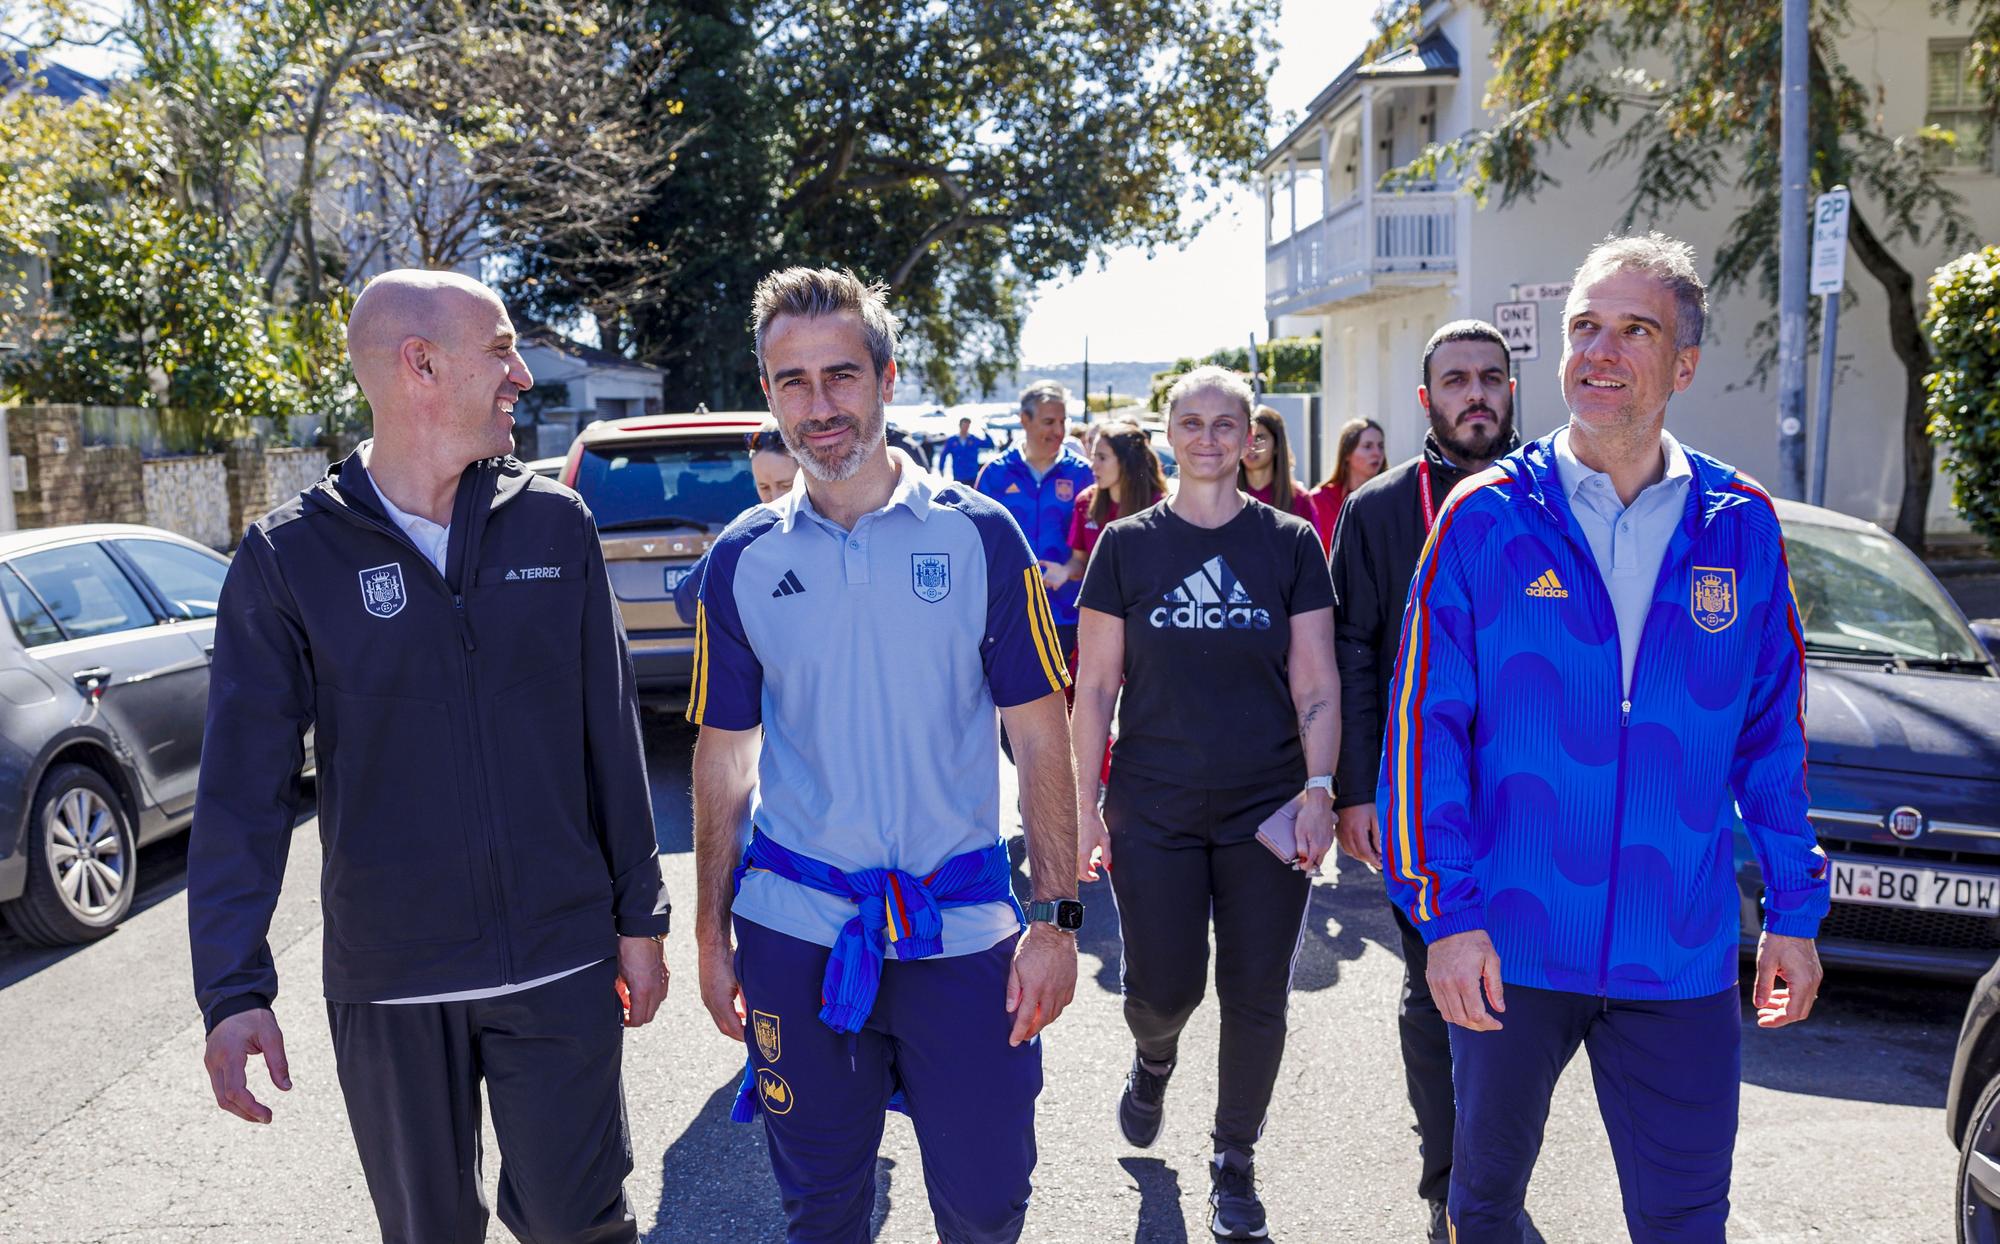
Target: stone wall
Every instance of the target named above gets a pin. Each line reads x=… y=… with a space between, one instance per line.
x=262 y=479
x=191 y=496
x=210 y=498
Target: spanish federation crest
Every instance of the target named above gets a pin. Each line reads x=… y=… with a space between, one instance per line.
x=765 y=1025
x=930 y=575
x=1065 y=490
x=1713 y=600
x=382 y=591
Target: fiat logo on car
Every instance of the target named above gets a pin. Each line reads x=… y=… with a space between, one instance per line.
x=1906 y=823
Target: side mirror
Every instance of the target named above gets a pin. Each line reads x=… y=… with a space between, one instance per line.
x=1988 y=630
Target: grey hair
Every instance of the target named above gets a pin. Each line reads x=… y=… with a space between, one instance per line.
x=1209 y=376
x=813 y=292
x=1666 y=259
x=1043 y=391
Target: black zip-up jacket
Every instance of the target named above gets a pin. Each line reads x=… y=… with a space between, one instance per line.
x=1375 y=549
x=483 y=806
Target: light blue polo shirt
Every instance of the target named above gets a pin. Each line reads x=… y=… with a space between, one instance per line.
x=874 y=660
x=1627 y=542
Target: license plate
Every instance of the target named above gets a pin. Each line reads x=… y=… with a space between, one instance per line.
x=1928 y=889
x=677 y=575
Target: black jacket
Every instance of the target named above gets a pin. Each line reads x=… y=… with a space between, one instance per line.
x=484 y=812
x=1375 y=549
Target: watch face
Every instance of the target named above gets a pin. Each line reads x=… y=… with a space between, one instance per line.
x=1069 y=915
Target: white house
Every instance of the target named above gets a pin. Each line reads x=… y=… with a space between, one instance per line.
x=576 y=383
x=1377 y=271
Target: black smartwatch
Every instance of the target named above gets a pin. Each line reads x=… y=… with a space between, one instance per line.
x=1064 y=913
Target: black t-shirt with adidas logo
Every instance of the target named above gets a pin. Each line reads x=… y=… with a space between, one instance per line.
x=1207 y=617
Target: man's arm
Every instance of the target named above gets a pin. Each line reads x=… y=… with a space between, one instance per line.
x=260 y=702
x=621 y=803
x=1357 y=635
x=1044 y=977
x=1425 y=789
x=1768 y=778
x=725 y=772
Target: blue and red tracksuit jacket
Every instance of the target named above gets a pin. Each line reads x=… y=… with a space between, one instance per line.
x=1525 y=792
x=1043 y=510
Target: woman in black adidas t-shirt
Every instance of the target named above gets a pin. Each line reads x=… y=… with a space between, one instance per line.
x=1215 y=611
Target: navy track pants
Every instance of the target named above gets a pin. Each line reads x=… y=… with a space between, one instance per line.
x=939 y=1033
x=1668 y=1076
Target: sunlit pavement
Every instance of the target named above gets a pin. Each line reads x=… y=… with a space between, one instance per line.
x=108 y=1132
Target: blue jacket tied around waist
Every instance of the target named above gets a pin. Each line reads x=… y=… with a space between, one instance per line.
x=1523 y=791
x=888 y=902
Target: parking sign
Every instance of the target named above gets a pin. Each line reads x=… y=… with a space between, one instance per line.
x=1519 y=323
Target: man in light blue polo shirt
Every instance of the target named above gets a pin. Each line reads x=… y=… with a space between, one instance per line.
x=870 y=621
x=1628 y=542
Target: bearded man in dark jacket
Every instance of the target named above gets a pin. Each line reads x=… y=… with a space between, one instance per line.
x=1469 y=395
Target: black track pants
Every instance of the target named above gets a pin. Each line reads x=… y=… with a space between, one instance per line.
x=549 y=1057
x=1426 y=1063
x=1179 y=855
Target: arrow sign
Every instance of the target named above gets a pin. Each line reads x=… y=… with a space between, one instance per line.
x=1519 y=323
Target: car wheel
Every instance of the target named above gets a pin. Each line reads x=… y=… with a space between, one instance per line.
x=81 y=861
x=1979 y=1171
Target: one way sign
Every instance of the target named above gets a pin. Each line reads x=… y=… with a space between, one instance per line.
x=1519 y=323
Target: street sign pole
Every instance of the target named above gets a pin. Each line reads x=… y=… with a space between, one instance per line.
x=1829 y=275
x=1256 y=373
x=1791 y=256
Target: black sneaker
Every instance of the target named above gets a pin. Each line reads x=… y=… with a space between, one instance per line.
x=1232 y=1191
x=1142 y=1107
x=1440 y=1232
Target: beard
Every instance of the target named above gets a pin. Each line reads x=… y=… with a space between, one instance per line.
x=1477 y=443
x=818 y=463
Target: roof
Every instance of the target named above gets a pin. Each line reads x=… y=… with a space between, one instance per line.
x=548 y=338
x=48 y=78
x=670 y=427
x=1434 y=55
x=13 y=542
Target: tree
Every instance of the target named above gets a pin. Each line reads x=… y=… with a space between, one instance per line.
x=1687 y=92
x=1964 y=330
x=962 y=153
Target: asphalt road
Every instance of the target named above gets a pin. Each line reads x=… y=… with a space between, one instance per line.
x=108 y=1132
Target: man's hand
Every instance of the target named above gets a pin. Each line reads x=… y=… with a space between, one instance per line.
x=1360 y=834
x=230 y=1046
x=1054 y=574
x=1093 y=844
x=719 y=991
x=1459 y=965
x=1042 y=981
x=1796 y=961
x=1314 y=831
x=642 y=979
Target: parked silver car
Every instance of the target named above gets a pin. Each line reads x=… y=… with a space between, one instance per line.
x=103 y=690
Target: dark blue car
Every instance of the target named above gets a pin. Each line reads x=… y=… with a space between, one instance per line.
x=1903 y=755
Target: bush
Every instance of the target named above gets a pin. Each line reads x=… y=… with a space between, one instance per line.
x=1964 y=404
x=1290 y=365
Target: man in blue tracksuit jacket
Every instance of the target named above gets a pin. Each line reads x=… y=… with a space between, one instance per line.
x=1037 y=482
x=1601 y=668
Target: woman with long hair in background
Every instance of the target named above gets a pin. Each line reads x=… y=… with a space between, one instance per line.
x=1266 y=473
x=1357 y=458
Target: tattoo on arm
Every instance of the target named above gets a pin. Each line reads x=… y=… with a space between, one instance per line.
x=1311 y=715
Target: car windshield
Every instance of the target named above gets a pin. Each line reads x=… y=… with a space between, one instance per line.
x=695 y=484
x=1861 y=593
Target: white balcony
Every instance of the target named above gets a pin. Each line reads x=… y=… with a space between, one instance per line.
x=1362 y=246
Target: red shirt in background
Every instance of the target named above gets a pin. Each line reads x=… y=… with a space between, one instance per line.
x=1326 y=511
x=1301 y=500
x=1082 y=532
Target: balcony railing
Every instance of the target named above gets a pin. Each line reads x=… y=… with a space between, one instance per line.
x=1368 y=236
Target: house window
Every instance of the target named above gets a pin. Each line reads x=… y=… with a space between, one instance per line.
x=1953 y=105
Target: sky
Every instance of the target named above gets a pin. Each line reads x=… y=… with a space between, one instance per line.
x=1210 y=294
x=1177 y=302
